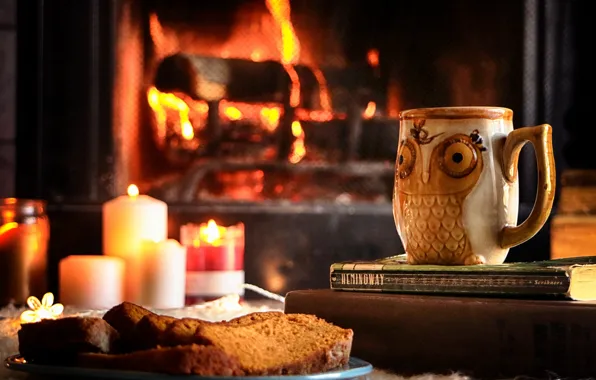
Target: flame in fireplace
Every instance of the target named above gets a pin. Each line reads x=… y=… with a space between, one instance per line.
x=289 y=44
x=298 y=147
x=160 y=102
x=257 y=36
x=270 y=117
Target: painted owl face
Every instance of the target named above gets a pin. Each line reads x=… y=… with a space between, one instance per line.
x=439 y=166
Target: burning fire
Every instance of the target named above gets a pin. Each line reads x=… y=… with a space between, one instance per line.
x=298 y=147
x=186 y=117
x=160 y=102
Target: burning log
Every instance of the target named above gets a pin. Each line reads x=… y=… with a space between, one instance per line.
x=212 y=79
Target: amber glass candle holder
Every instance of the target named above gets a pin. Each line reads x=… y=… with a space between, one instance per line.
x=24 y=236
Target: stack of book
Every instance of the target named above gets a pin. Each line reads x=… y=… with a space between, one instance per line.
x=570 y=278
x=490 y=321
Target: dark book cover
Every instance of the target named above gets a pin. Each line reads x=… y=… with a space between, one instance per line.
x=573 y=278
x=482 y=337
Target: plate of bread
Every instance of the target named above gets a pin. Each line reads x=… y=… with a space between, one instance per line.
x=131 y=342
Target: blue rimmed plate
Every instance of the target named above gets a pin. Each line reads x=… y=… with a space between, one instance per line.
x=355 y=368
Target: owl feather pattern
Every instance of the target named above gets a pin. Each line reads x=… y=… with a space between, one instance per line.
x=431 y=202
x=434 y=227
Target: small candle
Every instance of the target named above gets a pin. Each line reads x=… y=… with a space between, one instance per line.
x=215 y=260
x=129 y=220
x=94 y=282
x=163 y=274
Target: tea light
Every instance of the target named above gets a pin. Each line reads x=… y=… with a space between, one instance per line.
x=214 y=260
x=128 y=221
x=93 y=282
x=163 y=274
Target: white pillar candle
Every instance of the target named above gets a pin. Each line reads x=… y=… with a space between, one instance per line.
x=128 y=220
x=94 y=282
x=163 y=274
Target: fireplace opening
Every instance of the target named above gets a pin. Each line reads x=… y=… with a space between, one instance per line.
x=250 y=101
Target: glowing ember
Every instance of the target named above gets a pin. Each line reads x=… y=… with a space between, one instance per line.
x=369 y=112
x=233 y=113
x=373 y=57
x=270 y=117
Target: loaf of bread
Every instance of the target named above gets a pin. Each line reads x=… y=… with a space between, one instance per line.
x=125 y=318
x=130 y=337
x=61 y=340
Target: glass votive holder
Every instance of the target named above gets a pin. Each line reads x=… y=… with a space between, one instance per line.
x=24 y=236
x=214 y=260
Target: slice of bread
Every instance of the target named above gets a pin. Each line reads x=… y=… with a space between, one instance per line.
x=180 y=360
x=58 y=341
x=281 y=344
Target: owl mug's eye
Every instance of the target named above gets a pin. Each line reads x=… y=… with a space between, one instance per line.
x=406 y=157
x=457 y=157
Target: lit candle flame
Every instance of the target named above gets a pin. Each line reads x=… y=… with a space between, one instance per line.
x=44 y=309
x=213 y=233
x=132 y=190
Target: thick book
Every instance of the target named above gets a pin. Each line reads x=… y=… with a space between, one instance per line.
x=570 y=278
x=487 y=338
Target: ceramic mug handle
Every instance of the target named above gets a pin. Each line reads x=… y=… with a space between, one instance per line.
x=541 y=137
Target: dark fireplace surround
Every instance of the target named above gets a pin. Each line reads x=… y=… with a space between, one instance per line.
x=84 y=124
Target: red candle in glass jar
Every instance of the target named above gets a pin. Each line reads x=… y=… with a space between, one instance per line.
x=214 y=260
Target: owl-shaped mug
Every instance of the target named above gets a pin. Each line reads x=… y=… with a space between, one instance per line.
x=455 y=199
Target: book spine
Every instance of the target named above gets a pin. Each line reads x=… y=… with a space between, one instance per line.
x=407 y=282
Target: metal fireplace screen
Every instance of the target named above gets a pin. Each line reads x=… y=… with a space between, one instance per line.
x=249 y=101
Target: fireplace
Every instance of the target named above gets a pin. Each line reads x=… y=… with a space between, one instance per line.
x=279 y=114
x=241 y=102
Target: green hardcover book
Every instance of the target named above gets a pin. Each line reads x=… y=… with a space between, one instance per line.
x=570 y=278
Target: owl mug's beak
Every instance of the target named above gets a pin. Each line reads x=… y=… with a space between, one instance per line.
x=425 y=177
